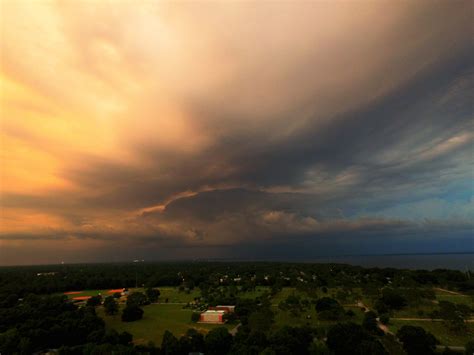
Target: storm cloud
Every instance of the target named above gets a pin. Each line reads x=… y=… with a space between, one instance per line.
x=181 y=130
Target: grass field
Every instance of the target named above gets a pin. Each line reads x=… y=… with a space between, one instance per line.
x=438 y=329
x=256 y=293
x=283 y=318
x=173 y=294
x=429 y=306
x=459 y=299
x=156 y=319
x=414 y=312
x=287 y=291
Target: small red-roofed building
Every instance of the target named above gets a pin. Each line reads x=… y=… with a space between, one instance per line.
x=212 y=316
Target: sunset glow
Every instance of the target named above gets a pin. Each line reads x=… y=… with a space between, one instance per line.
x=165 y=130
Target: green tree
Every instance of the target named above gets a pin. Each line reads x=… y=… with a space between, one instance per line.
x=152 y=294
x=470 y=347
x=137 y=298
x=291 y=340
x=110 y=306
x=132 y=313
x=416 y=341
x=94 y=301
x=370 y=322
x=195 y=316
x=351 y=338
x=393 y=298
x=170 y=344
x=9 y=341
x=218 y=341
x=192 y=341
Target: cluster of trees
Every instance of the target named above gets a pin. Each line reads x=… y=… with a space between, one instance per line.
x=454 y=315
x=287 y=340
x=135 y=301
x=60 y=278
x=329 y=309
x=294 y=304
x=37 y=323
x=132 y=310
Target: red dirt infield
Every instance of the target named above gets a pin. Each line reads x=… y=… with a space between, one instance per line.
x=81 y=298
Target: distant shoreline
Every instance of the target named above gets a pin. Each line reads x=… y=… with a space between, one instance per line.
x=401 y=254
x=459 y=260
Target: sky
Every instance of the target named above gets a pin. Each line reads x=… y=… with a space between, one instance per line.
x=163 y=130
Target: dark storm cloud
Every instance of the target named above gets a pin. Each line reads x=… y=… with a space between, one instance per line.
x=321 y=128
x=415 y=118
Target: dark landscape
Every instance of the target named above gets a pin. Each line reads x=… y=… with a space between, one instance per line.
x=280 y=308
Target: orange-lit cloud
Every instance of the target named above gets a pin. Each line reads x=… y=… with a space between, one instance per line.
x=117 y=117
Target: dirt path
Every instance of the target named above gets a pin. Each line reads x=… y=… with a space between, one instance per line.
x=379 y=323
x=449 y=291
x=452 y=347
x=233 y=331
x=428 y=319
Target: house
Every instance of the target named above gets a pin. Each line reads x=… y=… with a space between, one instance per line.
x=212 y=316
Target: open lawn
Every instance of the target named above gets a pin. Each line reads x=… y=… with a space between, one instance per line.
x=439 y=330
x=259 y=290
x=287 y=291
x=464 y=299
x=421 y=311
x=173 y=294
x=427 y=307
x=156 y=319
x=283 y=318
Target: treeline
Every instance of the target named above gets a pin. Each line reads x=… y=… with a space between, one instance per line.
x=59 y=278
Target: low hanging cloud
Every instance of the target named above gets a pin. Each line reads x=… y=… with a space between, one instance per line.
x=214 y=126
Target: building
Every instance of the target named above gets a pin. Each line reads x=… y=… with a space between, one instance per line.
x=212 y=316
x=227 y=309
